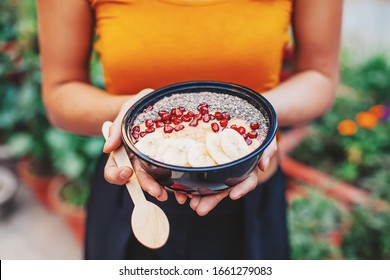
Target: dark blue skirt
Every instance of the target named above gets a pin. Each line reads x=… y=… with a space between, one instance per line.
x=253 y=227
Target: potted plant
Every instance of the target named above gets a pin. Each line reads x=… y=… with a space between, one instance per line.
x=74 y=158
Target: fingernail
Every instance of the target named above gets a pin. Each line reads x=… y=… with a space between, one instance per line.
x=266 y=163
x=125 y=174
x=108 y=142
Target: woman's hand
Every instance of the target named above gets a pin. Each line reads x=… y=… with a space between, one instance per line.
x=204 y=204
x=121 y=175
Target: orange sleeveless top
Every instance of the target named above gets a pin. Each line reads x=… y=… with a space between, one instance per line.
x=154 y=43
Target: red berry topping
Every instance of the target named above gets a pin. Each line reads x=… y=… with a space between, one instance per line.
x=162 y=113
x=215 y=127
x=194 y=122
x=160 y=124
x=204 y=110
x=178 y=112
x=186 y=118
x=175 y=120
x=182 y=109
x=166 y=117
x=248 y=141
x=179 y=127
x=190 y=114
x=157 y=119
x=241 y=130
x=206 y=118
x=150 y=129
x=136 y=128
x=233 y=126
x=212 y=117
x=218 y=116
x=198 y=117
x=167 y=122
x=168 y=128
x=225 y=116
x=224 y=123
x=142 y=133
x=149 y=123
x=135 y=134
x=202 y=105
x=252 y=134
x=254 y=126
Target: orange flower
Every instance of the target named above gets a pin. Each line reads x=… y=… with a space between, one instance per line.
x=366 y=120
x=347 y=127
x=378 y=111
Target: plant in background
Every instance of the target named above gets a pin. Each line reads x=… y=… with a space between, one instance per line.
x=352 y=143
x=315 y=227
x=74 y=157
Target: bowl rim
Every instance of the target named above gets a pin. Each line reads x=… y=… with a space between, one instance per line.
x=273 y=122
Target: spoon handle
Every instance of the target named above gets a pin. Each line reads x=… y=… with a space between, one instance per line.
x=122 y=159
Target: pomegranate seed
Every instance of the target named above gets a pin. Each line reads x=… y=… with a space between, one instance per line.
x=194 y=122
x=190 y=114
x=245 y=136
x=136 y=128
x=149 y=123
x=166 y=117
x=206 y=118
x=241 y=130
x=185 y=118
x=233 y=126
x=150 y=130
x=149 y=108
x=218 y=116
x=248 y=141
x=215 y=127
x=224 y=123
x=202 y=105
x=157 y=119
x=225 y=116
x=167 y=122
x=252 y=134
x=176 y=121
x=254 y=126
x=160 y=124
x=168 y=129
x=178 y=112
x=198 y=117
x=179 y=127
x=142 y=133
x=135 y=134
x=173 y=112
x=204 y=110
x=182 y=109
x=212 y=117
x=162 y=113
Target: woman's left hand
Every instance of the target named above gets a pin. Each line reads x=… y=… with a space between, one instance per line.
x=204 y=204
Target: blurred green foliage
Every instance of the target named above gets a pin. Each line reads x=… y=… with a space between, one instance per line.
x=24 y=126
x=362 y=159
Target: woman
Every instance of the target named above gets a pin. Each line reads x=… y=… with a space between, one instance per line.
x=150 y=44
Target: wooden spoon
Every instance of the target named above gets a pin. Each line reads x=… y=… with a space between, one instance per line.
x=149 y=223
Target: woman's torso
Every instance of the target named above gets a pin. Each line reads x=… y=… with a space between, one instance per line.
x=153 y=43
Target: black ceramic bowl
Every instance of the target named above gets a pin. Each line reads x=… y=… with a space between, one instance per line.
x=200 y=180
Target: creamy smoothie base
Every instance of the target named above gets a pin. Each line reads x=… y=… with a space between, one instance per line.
x=199 y=129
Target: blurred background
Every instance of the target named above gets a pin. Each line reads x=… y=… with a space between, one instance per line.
x=337 y=166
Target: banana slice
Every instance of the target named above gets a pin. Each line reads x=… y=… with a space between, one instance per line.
x=149 y=143
x=176 y=154
x=214 y=148
x=198 y=156
x=233 y=144
x=163 y=147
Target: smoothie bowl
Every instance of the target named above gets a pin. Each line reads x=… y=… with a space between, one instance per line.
x=199 y=137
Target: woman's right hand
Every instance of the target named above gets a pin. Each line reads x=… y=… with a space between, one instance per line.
x=121 y=175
